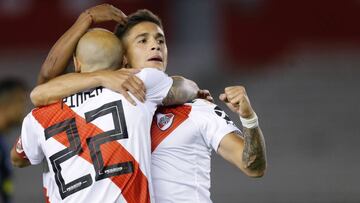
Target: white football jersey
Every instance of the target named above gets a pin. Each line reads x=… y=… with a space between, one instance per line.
x=182 y=139
x=96 y=144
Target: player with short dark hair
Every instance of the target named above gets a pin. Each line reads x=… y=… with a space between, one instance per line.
x=136 y=18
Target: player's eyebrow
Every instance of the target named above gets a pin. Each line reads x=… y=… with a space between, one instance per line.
x=142 y=35
x=158 y=35
x=145 y=34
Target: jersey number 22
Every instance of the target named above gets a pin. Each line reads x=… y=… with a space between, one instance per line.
x=93 y=143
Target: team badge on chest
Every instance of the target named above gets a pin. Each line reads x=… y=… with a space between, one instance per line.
x=164 y=121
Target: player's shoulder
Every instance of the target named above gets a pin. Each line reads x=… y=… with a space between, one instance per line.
x=208 y=112
x=31 y=118
x=201 y=107
x=45 y=109
x=150 y=73
x=155 y=81
x=195 y=107
x=201 y=104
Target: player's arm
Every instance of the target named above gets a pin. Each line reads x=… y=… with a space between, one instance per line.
x=182 y=90
x=68 y=84
x=27 y=149
x=61 y=53
x=17 y=155
x=247 y=153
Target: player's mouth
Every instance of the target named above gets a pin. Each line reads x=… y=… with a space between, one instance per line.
x=156 y=58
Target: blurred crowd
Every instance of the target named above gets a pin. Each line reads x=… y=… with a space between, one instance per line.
x=13 y=99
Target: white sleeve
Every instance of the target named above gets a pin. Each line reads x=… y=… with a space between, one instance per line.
x=30 y=136
x=157 y=84
x=214 y=124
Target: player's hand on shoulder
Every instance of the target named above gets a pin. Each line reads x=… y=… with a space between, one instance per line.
x=205 y=94
x=123 y=80
x=106 y=12
x=236 y=99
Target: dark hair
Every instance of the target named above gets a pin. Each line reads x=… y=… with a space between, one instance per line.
x=11 y=84
x=133 y=19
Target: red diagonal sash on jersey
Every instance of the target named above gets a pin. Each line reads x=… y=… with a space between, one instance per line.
x=134 y=186
x=181 y=113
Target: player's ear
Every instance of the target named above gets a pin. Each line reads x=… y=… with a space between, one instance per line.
x=77 y=64
x=125 y=62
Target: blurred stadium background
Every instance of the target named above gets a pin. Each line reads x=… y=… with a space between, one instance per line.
x=299 y=61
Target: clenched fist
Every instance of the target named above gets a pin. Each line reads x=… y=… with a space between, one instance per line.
x=236 y=99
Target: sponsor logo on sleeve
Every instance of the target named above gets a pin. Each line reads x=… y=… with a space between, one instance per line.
x=223 y=115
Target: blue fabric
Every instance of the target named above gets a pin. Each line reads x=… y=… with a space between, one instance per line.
x=5 y=168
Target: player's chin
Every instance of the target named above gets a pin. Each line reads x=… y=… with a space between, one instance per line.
x=156 y=64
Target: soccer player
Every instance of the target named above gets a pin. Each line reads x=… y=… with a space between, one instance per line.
x=97 y=144
x=183 y=136
x=12 y=110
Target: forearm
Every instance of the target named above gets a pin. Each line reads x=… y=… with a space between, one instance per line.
x=182 y=91
x=63 y=86
x=60 y=54
x=254 y=153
